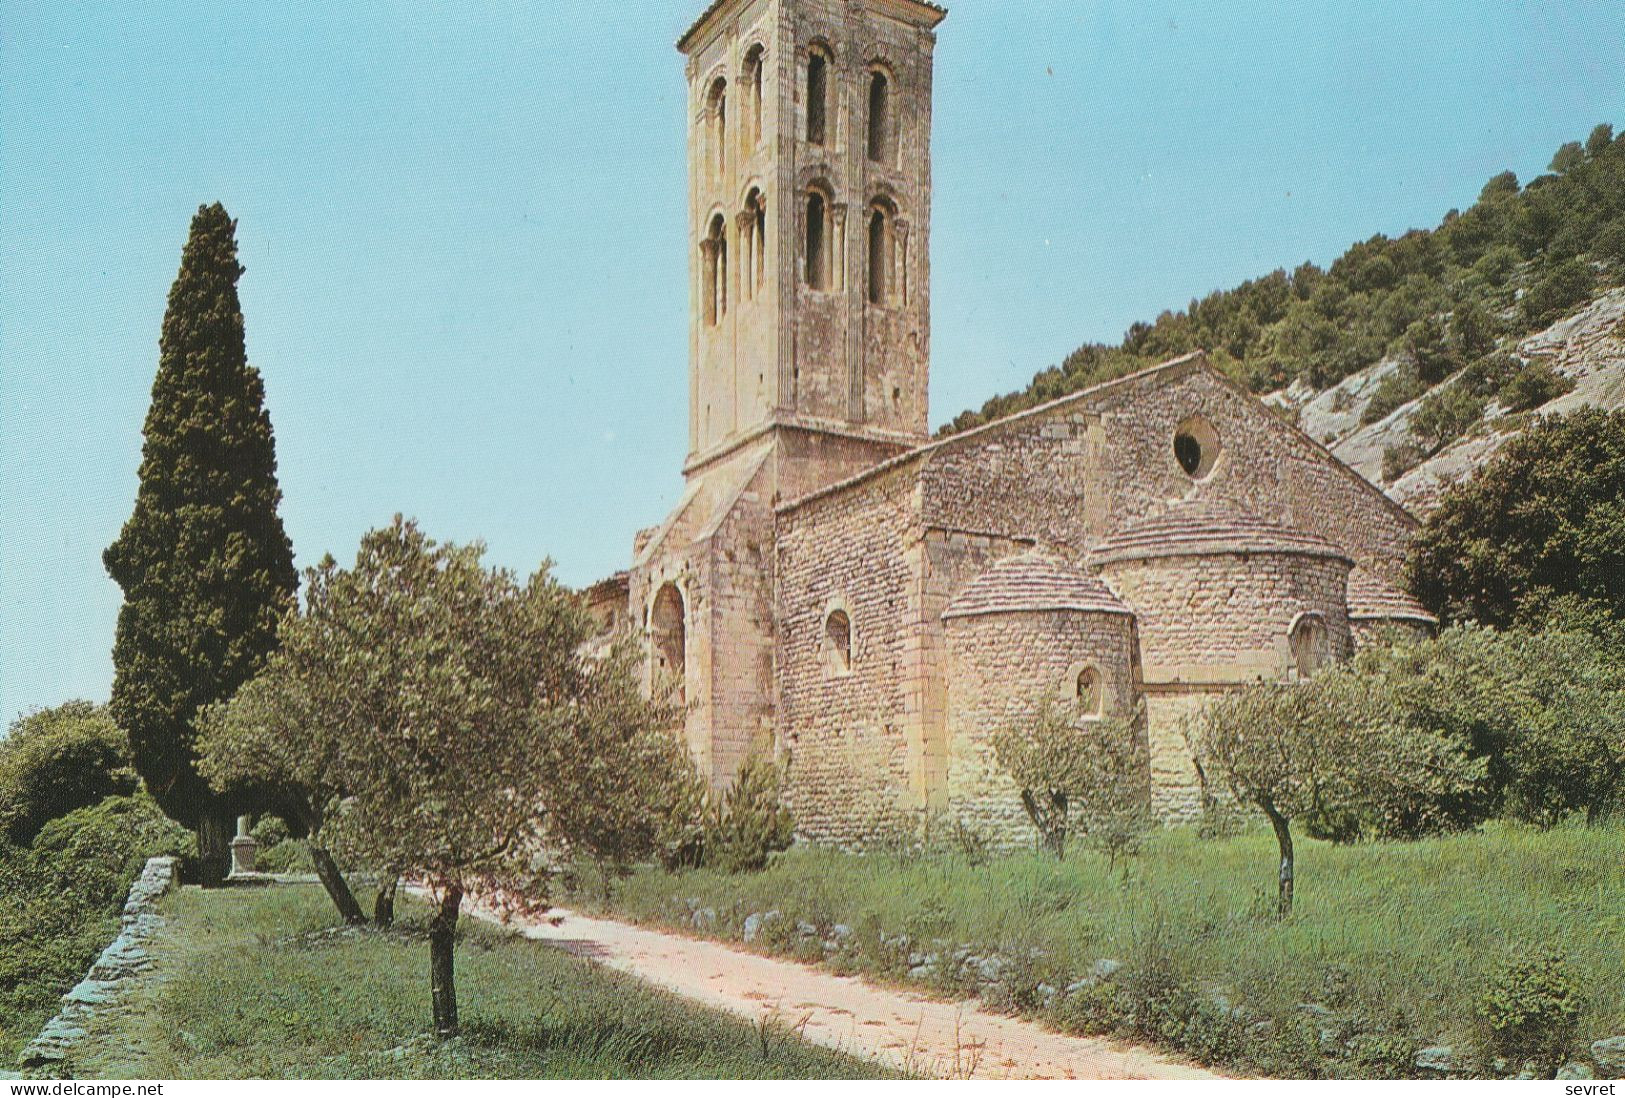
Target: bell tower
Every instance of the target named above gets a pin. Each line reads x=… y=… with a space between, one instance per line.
x=809 y=132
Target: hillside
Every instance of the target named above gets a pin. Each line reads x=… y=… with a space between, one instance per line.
x=1415 y=357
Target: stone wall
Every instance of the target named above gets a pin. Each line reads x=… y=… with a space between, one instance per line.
x=844 y=731
x=109 y=980
x=999 y=666
x=1072 y=472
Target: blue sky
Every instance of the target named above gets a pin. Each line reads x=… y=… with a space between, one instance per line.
x=466 y=258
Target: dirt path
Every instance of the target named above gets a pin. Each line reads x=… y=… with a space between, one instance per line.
x=898 y=1028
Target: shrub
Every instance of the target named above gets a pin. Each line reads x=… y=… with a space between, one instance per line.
x=63 y=893
x=1445 y=415
x=1398 y=388
x=748 y=822
x=1533 y=386
x=1400 y=459
x=1485 y=375
x=56 y=760
x=1530 y=1008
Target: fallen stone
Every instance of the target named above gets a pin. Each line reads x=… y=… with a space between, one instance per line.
x=922 y=971
x=705 y=918
x=840 y=932
x=1439 y=1058
x=1575 y=1071
x=1610 y=1055
x=753 y=926
x=1105 y=968
x=806 y=930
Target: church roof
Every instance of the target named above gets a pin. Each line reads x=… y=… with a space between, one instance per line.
x=937 y=14
x=1201 y=528
x=1034 y=581
x=1371 y=596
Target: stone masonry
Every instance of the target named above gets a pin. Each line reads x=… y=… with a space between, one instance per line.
x=815 y=591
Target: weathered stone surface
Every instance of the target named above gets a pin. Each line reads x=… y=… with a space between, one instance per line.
x=123 y=959
x=1575 y=1070
x=1609 y=1053
x=1436 y=1058
x=796 y=593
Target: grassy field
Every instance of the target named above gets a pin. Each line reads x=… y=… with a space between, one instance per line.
x=1391 y=948
x=262 y=984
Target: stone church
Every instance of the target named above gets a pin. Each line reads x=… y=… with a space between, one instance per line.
x=871 y=605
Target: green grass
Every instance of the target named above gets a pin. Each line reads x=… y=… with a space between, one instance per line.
x=255 y=989
x=1398 y=940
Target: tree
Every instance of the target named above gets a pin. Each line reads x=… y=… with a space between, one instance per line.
x=1601 y=137
x=439 y=704
x=204 y=562
x=56 y=760
x=1091 y=775
x=1545 y=519
x=267 y=737
x=1326 y=749
x=1569 y=155
x=620 y=783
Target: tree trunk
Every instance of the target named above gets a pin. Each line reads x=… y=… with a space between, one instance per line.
x=442 y=933
x=383 y=905
x=1283 y=838
x=327 y=871
x=215 y=831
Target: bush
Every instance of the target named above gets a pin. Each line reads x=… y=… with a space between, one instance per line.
x=1445 y=415
x=92 y=854
x=1530 y=1008
x=1485 y=375
x=1533 y=386
x=1401 y=459
x=56 y=760
x=1398 y=388
x=748 y=823
x=63 y=895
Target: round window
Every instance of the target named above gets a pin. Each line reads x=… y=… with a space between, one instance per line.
x=1196 y=447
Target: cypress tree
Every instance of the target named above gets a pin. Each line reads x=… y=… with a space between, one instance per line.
x=205 y=565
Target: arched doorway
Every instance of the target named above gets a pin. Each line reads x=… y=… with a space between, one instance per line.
x=668 y=637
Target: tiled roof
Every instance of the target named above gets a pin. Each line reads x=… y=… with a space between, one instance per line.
x=1034 y=581
x=1197 y=528
x=1371 y=596
x=711 y=8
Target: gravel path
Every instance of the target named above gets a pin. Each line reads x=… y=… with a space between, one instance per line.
x=899 y=1028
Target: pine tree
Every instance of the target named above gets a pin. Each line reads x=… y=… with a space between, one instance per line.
x=205 y=565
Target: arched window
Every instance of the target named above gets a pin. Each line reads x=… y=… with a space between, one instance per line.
x=1090 y=692
x=1311 y=644
x=668 y=639
x=715 y=254
x=754 y=232
x=838 y=642
x=880 y=123
x=817 y=237
x=882 y=252
x=717 y=106
x=753 y=99
x=818 y=66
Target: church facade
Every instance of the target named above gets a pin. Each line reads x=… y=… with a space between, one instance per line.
x=870 y=605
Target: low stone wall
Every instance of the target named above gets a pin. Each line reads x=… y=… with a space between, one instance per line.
x=109 y=978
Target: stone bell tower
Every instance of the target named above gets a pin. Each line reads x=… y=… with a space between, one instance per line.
x=809 y=213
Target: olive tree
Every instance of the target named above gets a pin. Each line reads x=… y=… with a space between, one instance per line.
x=1322 y=748
x=1092 y=776
x=452 y=730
